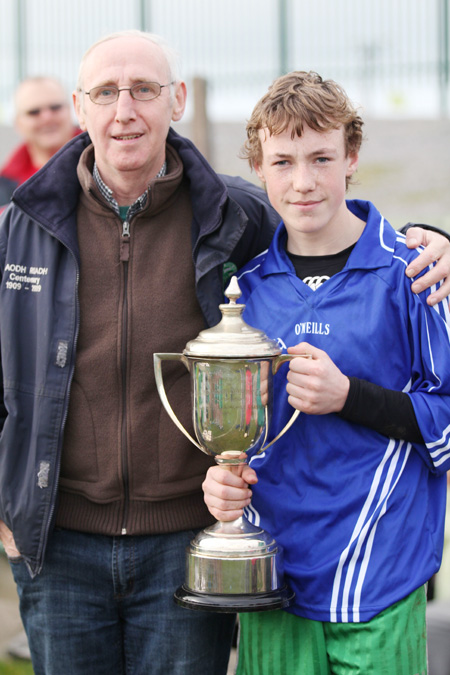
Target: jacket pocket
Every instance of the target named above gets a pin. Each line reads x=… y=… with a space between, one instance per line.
x=79 y=456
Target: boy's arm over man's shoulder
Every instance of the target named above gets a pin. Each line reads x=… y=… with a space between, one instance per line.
x=437 y=250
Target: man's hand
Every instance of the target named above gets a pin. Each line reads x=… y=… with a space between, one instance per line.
x=437 y=250
x=226 y=492
x=315 y=386
x=8 y=542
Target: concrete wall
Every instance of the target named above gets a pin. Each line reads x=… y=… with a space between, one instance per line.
x=403 y=169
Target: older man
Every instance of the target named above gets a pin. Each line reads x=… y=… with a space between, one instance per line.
x=44 y=122
x=114 y=251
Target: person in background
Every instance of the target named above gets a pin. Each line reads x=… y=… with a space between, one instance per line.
x=355 y=491
x=44 y=122
x=117 y=248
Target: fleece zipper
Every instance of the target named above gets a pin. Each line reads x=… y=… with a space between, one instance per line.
x=124 y=258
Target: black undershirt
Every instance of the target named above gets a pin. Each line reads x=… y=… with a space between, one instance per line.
x=388 y=412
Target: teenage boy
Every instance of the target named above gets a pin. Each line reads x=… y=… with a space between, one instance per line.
x=355 y=491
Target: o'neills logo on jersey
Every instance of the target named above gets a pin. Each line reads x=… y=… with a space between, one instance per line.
x=312 y=328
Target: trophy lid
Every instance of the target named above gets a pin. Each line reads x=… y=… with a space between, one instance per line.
x=232 y=337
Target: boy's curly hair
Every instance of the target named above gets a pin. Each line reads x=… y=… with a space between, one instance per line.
x=300 y=98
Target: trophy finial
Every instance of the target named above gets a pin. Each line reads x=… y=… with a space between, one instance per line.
x=233 y=291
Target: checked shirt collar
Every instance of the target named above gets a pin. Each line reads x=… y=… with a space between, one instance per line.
x=107 y=193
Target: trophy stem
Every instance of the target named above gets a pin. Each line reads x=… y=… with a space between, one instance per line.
x=231 y=458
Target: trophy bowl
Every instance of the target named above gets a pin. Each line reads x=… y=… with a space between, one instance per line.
x=231 y=566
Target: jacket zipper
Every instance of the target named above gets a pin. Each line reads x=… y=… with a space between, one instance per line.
x=124 y=258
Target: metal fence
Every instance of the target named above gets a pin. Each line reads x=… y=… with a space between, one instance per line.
x=392 y=56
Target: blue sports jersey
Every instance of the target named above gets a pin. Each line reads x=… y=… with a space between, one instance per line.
x=360 y=516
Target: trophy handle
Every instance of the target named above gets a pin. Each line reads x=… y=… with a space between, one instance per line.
x=277 y=362
x=157 y=358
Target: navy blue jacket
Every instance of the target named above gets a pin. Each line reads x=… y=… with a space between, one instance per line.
x=39 y=314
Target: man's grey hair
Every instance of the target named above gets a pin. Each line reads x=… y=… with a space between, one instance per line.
x=171 y=55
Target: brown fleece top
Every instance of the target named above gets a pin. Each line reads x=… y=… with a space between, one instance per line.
x=125 y=467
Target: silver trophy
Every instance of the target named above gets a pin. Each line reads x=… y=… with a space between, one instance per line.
x=231 y=566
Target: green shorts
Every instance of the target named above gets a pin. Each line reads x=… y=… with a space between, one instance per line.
x=392 y=643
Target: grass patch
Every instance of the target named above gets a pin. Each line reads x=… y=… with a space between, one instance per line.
x=16 y=667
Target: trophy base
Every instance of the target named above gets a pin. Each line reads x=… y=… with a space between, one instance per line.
x=234 y=567
x=231 y=604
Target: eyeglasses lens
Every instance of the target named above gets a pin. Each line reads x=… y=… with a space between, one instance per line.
x=144 y=91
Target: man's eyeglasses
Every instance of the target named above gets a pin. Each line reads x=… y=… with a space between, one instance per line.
x=35 y=112
x=143 y=91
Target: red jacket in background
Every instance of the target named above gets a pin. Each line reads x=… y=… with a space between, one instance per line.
x=16 y=170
